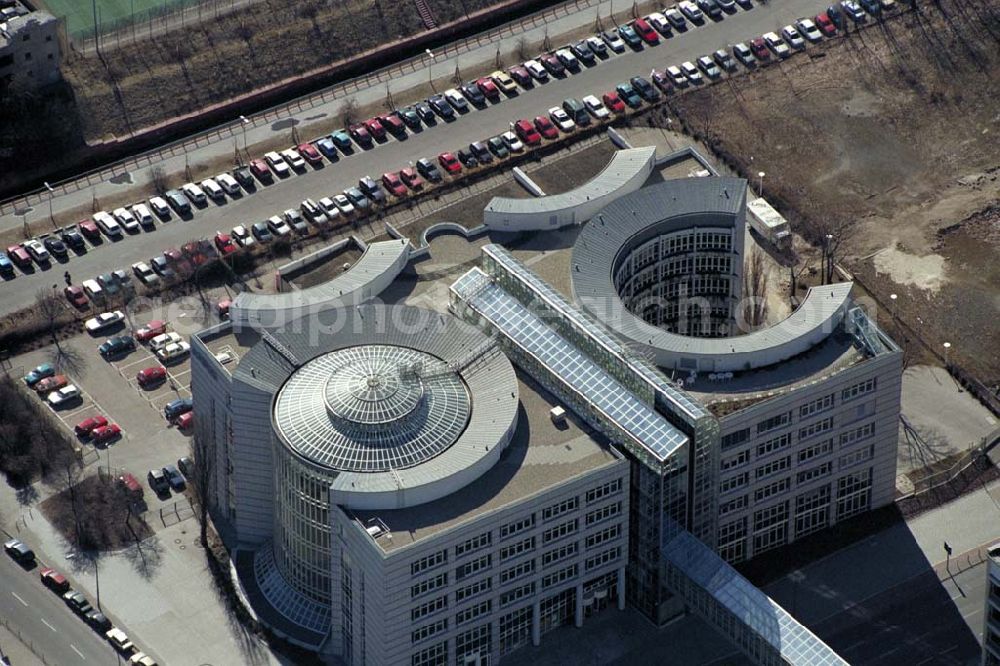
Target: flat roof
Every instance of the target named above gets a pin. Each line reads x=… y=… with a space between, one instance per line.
x=540 y=456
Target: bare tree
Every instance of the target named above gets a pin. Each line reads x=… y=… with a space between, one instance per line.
x=49 y=308
x=755 y=279
x=158 y=176
x=349 y=112
x=203 y=453
x=523 y=48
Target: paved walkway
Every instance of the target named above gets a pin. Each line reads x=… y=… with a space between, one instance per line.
x=14 y=652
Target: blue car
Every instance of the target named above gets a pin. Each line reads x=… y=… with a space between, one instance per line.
x=342 y=140
x=39 y=373
x=328 y=148
x=177 y=407
x=6 y=266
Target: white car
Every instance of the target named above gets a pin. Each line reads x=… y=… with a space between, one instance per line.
x=278 y=226
x=142 y=214
x=277 y=164
x=103 y=320
x=213 y=190
x=118 y=639
x=159 y=206
x=808 y=29
x=194 y=193
x=596 y=44
x=343 y=204
x=141 y=659
x=561 y=119
x=536 y=70
x=596 y=107
x=294 y=159
x=37 y=250
x=327 y=205
x=513 y=143
x=93 y=289
x=708 y=66
x=691 y=72
x=775 y=43
x=145 y=273
x=64 y=395
x=126 y=219
x=675 y=18
x=613 y=40
x=660 y=22
x=228 y=183
x=164 y=339
x=691 y=10
x=456 y=99
x=677 y=76
x=567 y=58
x=792 y=36
x=242 y=236
x=173 y=351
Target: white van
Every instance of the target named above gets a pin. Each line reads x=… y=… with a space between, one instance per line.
x=108 y=225
x=93 y=289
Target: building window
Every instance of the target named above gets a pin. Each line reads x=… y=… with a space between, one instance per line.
x=770 y=527
x=425 y=632
x=480 y=586
x=515 y=630
x=854 y=457
x=472 y=643
x=429 y=562
x=558 y=554
x=473 y=544
x=605 y=512
x=25 y=37
x=473 y=567
x=732 y=540
x=603 y=536
x=857 y=434
x=773 y=467
x=814 y=473
x=517 y=571
x=772 y=489
x=602 y=558
x=560 y=576
x=774 y=422
x=817 y=428
x=733 y=505
x=733 y=483
x=815 y=451
x=854 y=493
x=429 y=607
x=862 y=388
x=556 y=510
x=740 y=459
x=27 y=56
x=48 y=38
x=515 y=549
x=473 y=612
x=425 y=586
x=435 y=655
x=735 y=438
x=602 y=491
x=518 y=526
x=812 y=511
x=517 y=594
x=774 y=444
x=816 y=406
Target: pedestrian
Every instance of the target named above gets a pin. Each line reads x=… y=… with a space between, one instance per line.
x=68 y=279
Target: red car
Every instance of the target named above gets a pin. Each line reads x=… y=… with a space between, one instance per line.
x=526 y=132
x=661 y=79
x=225 y=244
x=151 y=330
x=75 y=296
x=89 y=229
x=375 y=128
x=613 y=102
x=410 y=177
x=131 y=484
x=521 y=75
x=87 y=426
x=151 y=376
x=54 y=580
x=394 y=184
x=360 y=135
x=393 y=123
x=185 y=421
x=546 y=128
x=309 y=153
x=53 y=383
x=449 y=162
x=825 y=25
x=759 y=48
x=105 y=434
x=19 y=256
x=646 y=31
x=222 y=307
x=259 y=169
x=488 y=88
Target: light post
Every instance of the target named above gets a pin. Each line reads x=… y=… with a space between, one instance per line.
x=947 y=347
x=245 y=121
x=51 y=193
x=893 y=297
x=828 y=258
x=760 y=183
x=430 y=68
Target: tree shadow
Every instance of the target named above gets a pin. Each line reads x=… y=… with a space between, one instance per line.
x=145 y=556
x=27 y=495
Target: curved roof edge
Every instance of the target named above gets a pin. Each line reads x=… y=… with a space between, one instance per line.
x=819 y=314
x=368 y=277
x=624 y=173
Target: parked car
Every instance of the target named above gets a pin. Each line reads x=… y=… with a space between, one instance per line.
x=691 y=11
x=613 y=102
x=826 y=24
x=498 y=147
x=449 y=162
x=261 y=232
x=595 y=108
x=105 y=434
x=103 y=320
x=158 y=481
x=77 y=602
x=467 y=159
x=56 y=247
x=194 y=193
x=854 y=11
x=97 y=620
x=342 y=140
x=53 y=580
x=792 y=36
x=125 y=218
x=567 y=58
x=455 y=98
x=776 y=44
x=526 y=131
x=744 y=55
x=64 y=396
x=174 y=477
x=614 y=41
x=260 y=170
x=158 y=342
x=504 y=82
x=481 y=151
x=628 y=95
x=186 y=465
x=145 y=274
x=278 y=226
x=224 y=244
x=710 y=7
x=343 y=204
x=38 y=373
x=18 y=255
x=691 y=72
x=37 y=251
x=759 y=49
x=119 y=640
x=116 y=346
x=131 y=484
x=19 y=551
x=660 y=22
x=84 y=428
x=645 y=31
x=213 y=190
x=315 y=213
x=52 y=383
x=582 y=51
x=173 y=351
x=472 y=93
x=552 y=64
x=724 y=60
x=513 y=143
x=520 y=74
x=808 y=29
x=175 y=408
x=151 y=376
x=242 y=236
x=394 y=184
x=229 y=184
x=441 y=107
x=537 y=71
x=76 y=296
x=676 y=18
x=410 y=117
x=597 y=46
x=277 y=164
x=630 y=36
x=546 y=128
x=160 y=206
x=428 y=170
x=150 y=330
x=160 y=266
x=309 y=153
x=707 y=65
x=645 y=89
x=371 y=189
x=293 y=159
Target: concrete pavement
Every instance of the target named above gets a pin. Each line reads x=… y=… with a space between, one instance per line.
x=391 y=155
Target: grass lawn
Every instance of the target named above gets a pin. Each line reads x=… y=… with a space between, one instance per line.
x=80 y=13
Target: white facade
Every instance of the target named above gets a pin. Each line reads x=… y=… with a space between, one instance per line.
x=991 y=621
x=29 y=48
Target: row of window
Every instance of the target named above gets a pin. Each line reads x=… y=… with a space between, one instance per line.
x=475 y=543
x=517 y=571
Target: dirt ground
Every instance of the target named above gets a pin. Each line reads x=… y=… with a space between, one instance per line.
x=892 y=137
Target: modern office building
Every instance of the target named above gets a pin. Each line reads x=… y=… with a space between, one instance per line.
x=29 y=47
x=396 y=492
x=991 y=615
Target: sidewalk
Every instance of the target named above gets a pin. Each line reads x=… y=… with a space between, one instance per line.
x=14 y=651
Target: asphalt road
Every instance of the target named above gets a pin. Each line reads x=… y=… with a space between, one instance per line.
x=43 y=620
x=395 y=154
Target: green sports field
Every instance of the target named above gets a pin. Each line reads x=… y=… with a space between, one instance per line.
x=112 y=13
